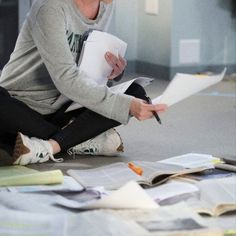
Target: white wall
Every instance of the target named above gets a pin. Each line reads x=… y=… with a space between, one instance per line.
x=209 y=21
x=126 y=24
x=148 y=36
x=154 y=34
x=24 y=7
x=154 y=39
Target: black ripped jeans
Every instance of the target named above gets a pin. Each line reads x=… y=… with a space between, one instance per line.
x=15 y=116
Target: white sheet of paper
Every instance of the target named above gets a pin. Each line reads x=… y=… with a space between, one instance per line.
x=185 y=85
x=93 y=61
x=121 y=88
x=171 y=189
x=129 y=196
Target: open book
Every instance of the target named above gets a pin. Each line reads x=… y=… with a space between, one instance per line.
x=217 y=196
x=115 y=175
x=20 y=175
x=193 y=160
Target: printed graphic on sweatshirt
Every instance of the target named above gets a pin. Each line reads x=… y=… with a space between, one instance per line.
x=76 y=41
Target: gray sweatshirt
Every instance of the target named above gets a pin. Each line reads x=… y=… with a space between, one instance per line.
x=43 y=66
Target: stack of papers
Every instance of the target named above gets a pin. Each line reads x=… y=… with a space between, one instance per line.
x=92 y=60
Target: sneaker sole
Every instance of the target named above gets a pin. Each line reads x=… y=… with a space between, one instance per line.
x=19 y=149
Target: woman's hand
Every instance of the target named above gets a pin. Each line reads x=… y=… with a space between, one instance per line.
x=143 y=111
x=118 y=64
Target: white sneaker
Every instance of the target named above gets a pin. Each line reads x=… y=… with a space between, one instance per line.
x=32 y=150
x=108 y=143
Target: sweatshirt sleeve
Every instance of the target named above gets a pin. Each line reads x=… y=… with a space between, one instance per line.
x=49 y=35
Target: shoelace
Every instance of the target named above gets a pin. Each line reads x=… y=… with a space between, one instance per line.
x=51 y=157
x=46 y=154
x=90 y=147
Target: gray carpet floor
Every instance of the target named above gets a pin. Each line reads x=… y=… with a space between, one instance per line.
x=203 y=123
